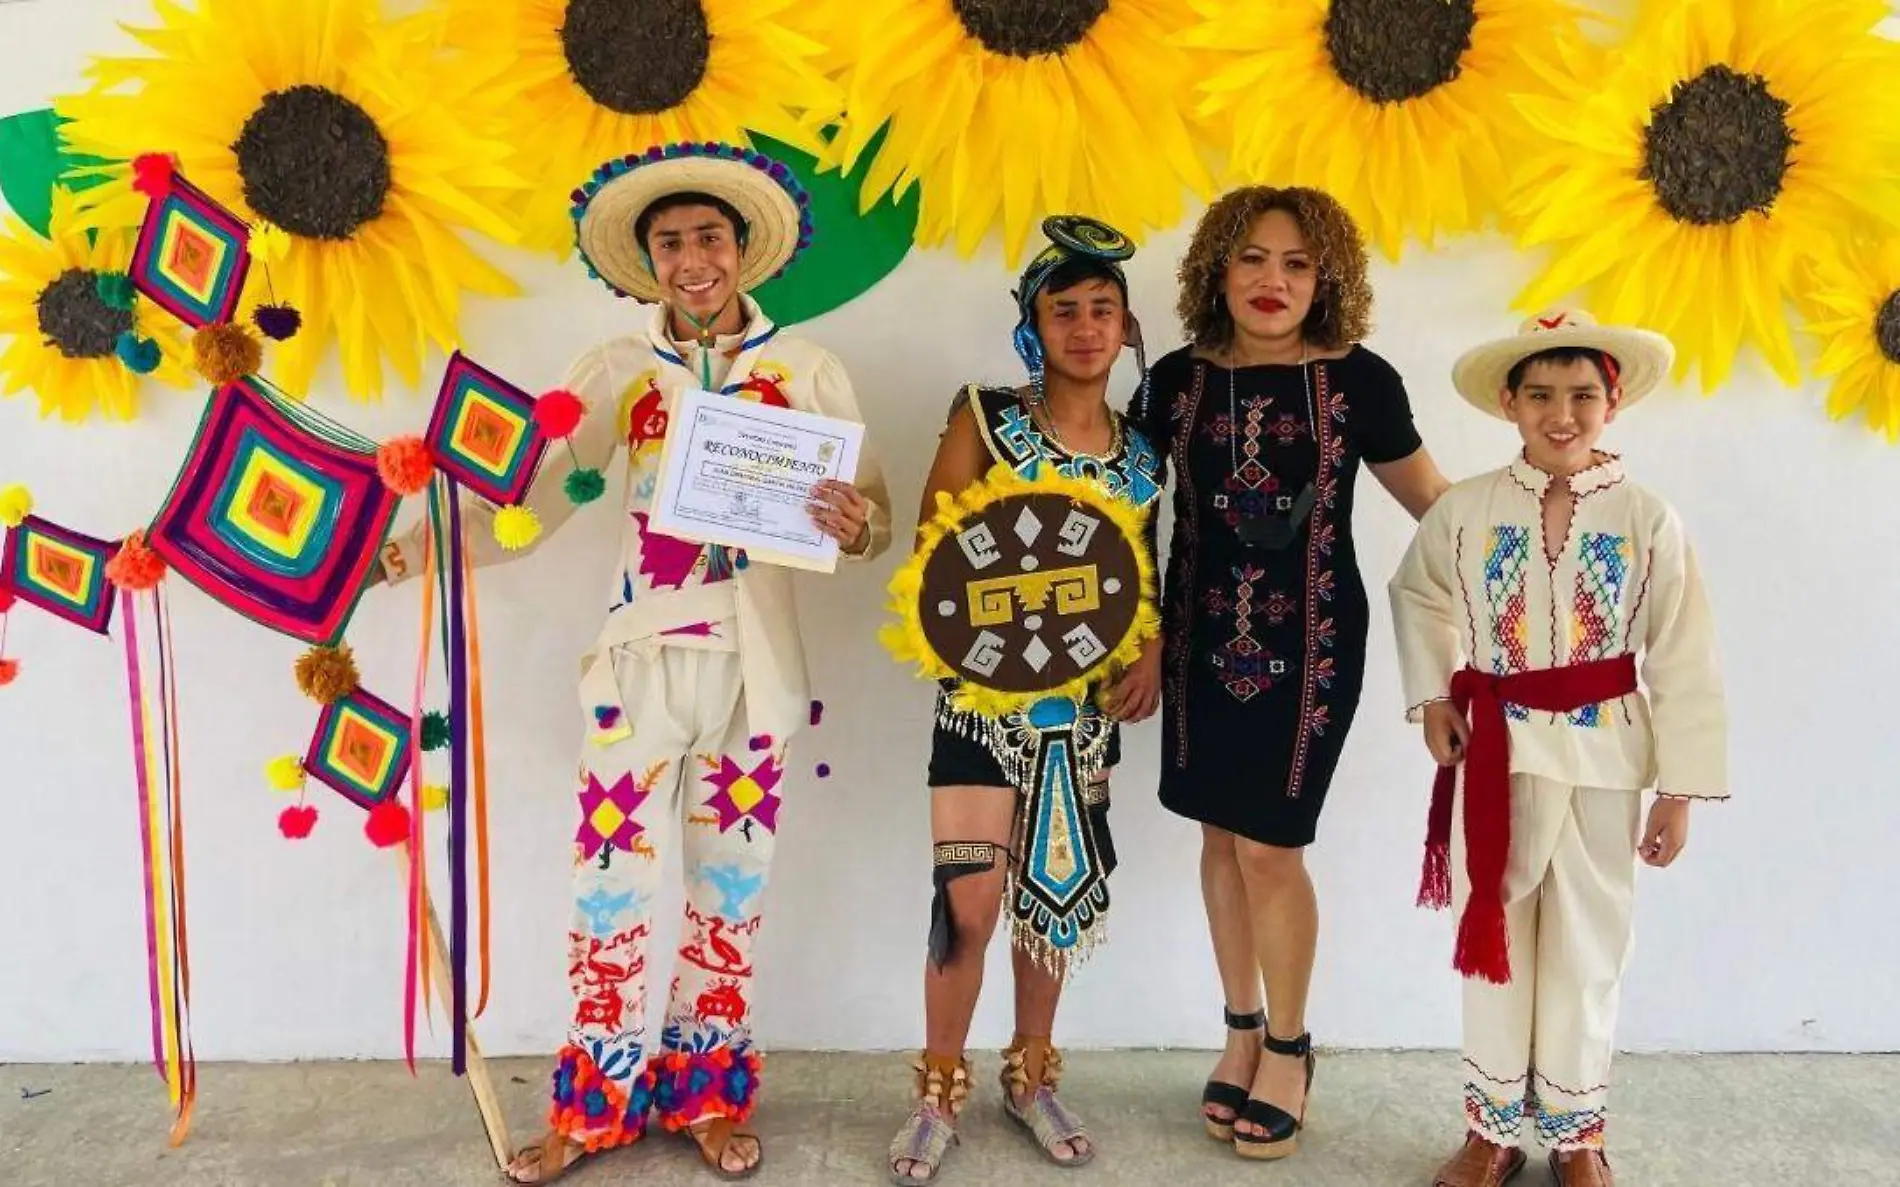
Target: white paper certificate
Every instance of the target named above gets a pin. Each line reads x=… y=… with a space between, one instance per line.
x=737 y=472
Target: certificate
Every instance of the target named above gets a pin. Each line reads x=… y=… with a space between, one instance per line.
x=737 y=472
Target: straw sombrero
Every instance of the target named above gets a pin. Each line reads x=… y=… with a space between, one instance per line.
x=1642 y=357
x=775 y=207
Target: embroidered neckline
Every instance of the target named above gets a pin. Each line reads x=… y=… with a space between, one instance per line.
x=1593 y=478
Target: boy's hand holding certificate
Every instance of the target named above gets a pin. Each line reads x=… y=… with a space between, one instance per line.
x=741 y=473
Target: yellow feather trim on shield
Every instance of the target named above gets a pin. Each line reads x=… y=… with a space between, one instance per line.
x=905 y=638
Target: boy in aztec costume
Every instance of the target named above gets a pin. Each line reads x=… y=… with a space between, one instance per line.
x=1520 y=611
x=988 y=774
x=697 y=680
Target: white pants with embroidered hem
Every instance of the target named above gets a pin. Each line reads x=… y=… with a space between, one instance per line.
x=688 y=773
x=1540 y=1047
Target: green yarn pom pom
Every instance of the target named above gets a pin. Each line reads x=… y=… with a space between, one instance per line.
x=584 y=486
x=115 y=289
x=435 y=730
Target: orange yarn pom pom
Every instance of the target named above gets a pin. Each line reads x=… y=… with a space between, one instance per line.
x=327 y=674
x=226 y=352
x=9 y=671
x=135 y=567
x=406 y=465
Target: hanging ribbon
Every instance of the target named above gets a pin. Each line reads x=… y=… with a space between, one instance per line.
x=161 y=828
x=416 y=963
x=478 y=756
x=458 y=782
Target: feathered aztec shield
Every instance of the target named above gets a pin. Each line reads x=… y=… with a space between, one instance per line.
x=1025 y=589
x=1026 y=595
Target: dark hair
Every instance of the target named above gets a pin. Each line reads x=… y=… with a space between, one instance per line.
x=660 y=206
x=1081 y=270
x=1604 y=362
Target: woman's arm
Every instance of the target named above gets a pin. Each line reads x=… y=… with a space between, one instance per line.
x=1414 y=480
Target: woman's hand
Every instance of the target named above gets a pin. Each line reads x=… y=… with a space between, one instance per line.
x=1137 y=694
x=1447 y=733
x=840 y=512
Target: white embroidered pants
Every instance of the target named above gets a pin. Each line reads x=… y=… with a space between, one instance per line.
x=1540 y=1047
x=688 y=774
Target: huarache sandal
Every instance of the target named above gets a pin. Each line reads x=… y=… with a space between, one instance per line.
x=1480 y=1163
x=554 y=1151
x=713 y=1138
x=1218 y=1094
x=943 y=1084
x=1282 y=1136
x=1032 y=1067
x=1581 y=1168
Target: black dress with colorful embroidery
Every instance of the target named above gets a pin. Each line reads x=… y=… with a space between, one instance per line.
x=1263 y=606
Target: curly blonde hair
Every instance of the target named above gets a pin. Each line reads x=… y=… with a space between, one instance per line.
x=1342 y=304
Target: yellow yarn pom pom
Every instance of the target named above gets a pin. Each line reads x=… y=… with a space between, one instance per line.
x=435 y=797
x=270 y=243
x=516 y=528
x=285 y=773
x=16 y=503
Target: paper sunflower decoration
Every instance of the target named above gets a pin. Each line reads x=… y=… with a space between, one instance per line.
x=1402 y=104
x=1020 y=109
x=1853 y=308
x=1692 y=168
x=589 y=80
x=338 y=127
x=80 y=337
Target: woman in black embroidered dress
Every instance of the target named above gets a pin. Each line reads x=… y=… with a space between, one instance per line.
x=1264 y=419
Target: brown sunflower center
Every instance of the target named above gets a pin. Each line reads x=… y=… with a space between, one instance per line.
x=1394 y=50
x=1887 y=327
x=313 y=163
x=637 y=57
x=1026 y=28
x=1718 y=147
x=76 y=319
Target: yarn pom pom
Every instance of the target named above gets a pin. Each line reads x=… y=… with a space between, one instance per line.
x=824 y=770
x=270 y=243
x=296 y=822
x=6 y=599
x=817 y=712
x=327 y=674
x=388 y=824
x=140 y=355
x=405 y=464
x=135 y=567
x=115 y=290
x=285 y=773
x=278 y=322
x=435 y=730
x=558 y=413
x=152 y=175
x=226 y=352
x=9 y=671
x=584 y=486
x=16 y=503
x=516 y=528
x=435 y=797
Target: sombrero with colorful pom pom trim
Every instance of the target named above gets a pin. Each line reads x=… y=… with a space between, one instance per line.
x=776 y=209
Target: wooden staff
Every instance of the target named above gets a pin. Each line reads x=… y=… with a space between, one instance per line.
x=493 y=1122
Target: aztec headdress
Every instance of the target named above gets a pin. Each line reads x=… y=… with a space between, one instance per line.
x=1071 y=237
x=1640 y=358
x=775 y=210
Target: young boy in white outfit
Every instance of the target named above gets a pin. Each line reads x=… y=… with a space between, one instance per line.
x=1528 y=605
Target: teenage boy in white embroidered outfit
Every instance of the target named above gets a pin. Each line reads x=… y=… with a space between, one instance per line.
x=697 y=681
x=1521 y=610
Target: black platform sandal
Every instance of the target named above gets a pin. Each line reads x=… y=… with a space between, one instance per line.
x=1222 y=1095
x=1282 y=1136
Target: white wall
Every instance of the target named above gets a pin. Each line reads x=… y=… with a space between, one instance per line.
x=1774 y=932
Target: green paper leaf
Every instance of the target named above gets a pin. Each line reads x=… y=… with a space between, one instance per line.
x=31 y=160
x=849 y=252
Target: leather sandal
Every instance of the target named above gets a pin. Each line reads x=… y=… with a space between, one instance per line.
x=713 y=1138
x=554 y=1151
x=1222 y=1095
x=1581 y=1168
x=943 y=1084
x=1282 y=1136
x=1480 y=1163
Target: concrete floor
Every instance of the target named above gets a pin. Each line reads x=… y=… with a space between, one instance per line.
x=1378 y=1118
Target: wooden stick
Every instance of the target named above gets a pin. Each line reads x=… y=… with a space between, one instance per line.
x=494 y=1123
